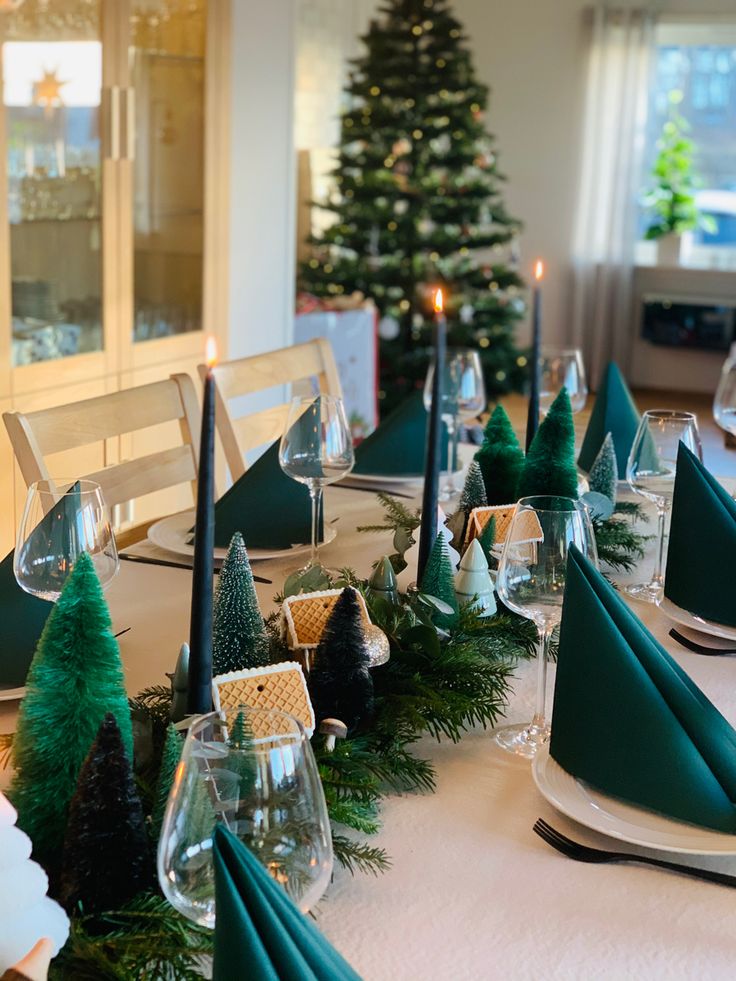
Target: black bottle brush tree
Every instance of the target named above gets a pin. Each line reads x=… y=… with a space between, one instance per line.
x=417 y=201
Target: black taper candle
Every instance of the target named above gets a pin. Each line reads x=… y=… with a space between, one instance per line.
x=199 y=695
x=532 y=419
x=433 y=465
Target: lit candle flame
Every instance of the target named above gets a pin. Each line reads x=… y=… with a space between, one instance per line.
x=211 y=352
x=439 y=302
x=539 y=270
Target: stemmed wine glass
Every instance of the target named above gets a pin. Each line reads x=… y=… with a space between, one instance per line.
x=724 y=403
x=463 y=397
x=316 y=449
x=563 y=368
x=650 y=471
x=531 y=582
x=60 y=521
x=253 y=771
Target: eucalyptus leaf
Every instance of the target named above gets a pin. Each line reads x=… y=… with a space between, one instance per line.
x=425 y=637
x=437 y=603
x=601 y=507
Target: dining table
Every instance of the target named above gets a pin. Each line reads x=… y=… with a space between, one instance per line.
x=472 y=893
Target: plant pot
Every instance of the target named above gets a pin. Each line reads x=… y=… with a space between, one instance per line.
x=668 y=250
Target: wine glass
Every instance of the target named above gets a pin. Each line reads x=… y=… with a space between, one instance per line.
x=316 y=449
x=253 y=771
x=463 y=397
x=650 y=471
x=531 y=582
x=724 y=403
x=563 y=368
x=62 y=519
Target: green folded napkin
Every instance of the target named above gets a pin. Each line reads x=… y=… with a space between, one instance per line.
x=398 y=448
x=260 y=935
x=268 y=508
x=628 y=720
x=22 y=618
x=702 y=547
x=614 y=412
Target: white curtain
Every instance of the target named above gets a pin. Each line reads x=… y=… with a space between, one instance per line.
x=613 y=139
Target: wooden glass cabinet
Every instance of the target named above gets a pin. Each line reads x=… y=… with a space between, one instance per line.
x=113 y=198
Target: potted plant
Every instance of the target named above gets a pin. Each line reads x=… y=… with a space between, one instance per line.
x=672 y=198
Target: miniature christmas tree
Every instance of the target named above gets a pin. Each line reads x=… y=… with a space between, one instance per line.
x=240 y=759
x=170 y=756
x=501 y=459
x=487 y=539
x=603 y=475
x=74 y=680
x=106 y=860
x=382 y=584
x=438 y=581
x=473 y=581
x=550 y=468
x=340 y=683
x=239 y=634
x=474 y=490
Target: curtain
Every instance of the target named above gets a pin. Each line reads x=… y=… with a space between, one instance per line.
x=613 y=143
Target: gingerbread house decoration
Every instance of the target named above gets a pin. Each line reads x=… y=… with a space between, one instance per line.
x=503 y=513
x=304 y=617
x=277 y=686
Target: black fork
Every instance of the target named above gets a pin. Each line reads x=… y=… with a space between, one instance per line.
x=584 y=853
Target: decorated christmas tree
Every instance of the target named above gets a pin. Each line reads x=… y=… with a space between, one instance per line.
x=550 y=466
x=170 y=756
x=438 y=581
x=239 y=633
x=106 y=860
x=417 y=201
x=603 y=475
x=75 y=679
x=501 y=459
x=340 y=684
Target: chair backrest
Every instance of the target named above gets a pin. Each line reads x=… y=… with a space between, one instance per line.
x=36 y=435
x=314 y=359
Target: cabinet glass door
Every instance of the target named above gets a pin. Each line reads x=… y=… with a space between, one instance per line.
x=52 y=83
x=167 y=75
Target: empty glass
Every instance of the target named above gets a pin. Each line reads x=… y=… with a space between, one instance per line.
x=531 y=582
x=253 y=771
x=316 y=449
x=60 y=521
x=563 y=367
x=724 y=403
x=463 y=397
x=650 y=471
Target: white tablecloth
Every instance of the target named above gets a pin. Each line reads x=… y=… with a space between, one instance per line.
x=473 y=893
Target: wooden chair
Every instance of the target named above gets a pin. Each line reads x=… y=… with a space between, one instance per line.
x=36 y=435
x=256 y=374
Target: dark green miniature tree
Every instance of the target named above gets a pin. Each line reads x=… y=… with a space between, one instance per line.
x=501 y=459
x=75 y=679
x=487 y=539
x=474 y=489
x=239 y=634
x=550 y=463
x=340 y=684
x=106 y=859
x=603 y=475
x=170 y=756
x=439 y=581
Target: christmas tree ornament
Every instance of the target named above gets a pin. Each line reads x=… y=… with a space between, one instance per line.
x=473 y=581
x=304 y=617
x=377 y=646
x=438 y=581
x=277 y=686
x=180 y=685
x=382 y=584
x=75 y=678
x=340 y=683
x=239 y=634
x=603 y=475
x=106 y=860
x=170 y=756
x=500 y=458
x=26 y=912
x=549 y=468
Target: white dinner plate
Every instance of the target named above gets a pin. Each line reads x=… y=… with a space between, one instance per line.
x=688 y=619
x=12 y=694
x=617 y=819
x=172 y=533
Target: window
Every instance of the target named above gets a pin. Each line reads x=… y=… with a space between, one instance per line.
x=699 y=61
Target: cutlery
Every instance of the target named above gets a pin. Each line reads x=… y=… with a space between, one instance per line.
x=700 y=648
x=145 y=560
x=121 y=632
x=584 y=853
